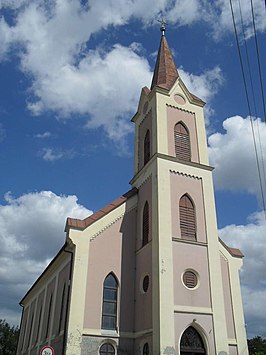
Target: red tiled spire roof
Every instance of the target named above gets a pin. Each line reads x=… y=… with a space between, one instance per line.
x=165 y=72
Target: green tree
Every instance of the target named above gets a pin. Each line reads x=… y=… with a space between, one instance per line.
x=8 y=338
x=257 y=346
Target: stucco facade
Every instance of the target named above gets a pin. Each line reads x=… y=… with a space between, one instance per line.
x=165 y=293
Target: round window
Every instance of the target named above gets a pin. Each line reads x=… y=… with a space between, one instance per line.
x=190 y=279
x=145 y=284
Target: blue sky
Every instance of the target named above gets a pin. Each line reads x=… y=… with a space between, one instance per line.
x=71 y=75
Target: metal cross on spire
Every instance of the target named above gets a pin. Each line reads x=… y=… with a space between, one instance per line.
x=163 y=25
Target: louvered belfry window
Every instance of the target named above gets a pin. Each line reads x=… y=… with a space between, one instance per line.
x=182 y=142
x=145 y=224
x=147 y=147
x=187 y=218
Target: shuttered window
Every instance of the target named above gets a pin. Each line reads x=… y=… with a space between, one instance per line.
x=147 y=147
x=182 y=142
x=145 y=225
x=190 y=279
x=187 y=218
x=109 y=309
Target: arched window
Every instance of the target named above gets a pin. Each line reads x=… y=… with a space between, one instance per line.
x=191 y=343
x=147 y=147
x=109 y=310
x=182 y=142
x=145 y=224
x=187 y=218
x=107 y=349
x=146 y=350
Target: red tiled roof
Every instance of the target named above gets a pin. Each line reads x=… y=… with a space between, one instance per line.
x=165 y=72
x=233 y=251
x=81 y=224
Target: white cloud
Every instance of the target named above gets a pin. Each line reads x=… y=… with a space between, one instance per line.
x=43 y=135
x=31 y=233
x=205 y=86
x=250 y=238
x=233 y=155
x=222 y=22
x=52 y=154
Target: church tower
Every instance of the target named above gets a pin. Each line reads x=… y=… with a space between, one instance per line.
x=195 y=306
x=146 y=274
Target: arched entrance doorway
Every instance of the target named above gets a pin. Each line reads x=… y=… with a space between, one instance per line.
x=191 y=343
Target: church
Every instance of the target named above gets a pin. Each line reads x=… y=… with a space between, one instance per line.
x=147 y=274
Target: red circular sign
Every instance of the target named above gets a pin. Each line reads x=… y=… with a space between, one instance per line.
x=47 y=350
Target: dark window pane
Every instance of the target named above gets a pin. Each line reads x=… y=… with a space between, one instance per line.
x=109 y=309
x=107 y=349
x=110 y=281
x=110 y=294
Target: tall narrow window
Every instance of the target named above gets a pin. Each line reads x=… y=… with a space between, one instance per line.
x=147 y=147
x=30 y=332
x=62 y=308
x=182 y=142
x=39 y=324
x=187 y=218
x=109 y=310
x=49 y=316
x=145 y=224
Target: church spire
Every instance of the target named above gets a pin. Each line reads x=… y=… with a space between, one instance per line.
x=165 y=72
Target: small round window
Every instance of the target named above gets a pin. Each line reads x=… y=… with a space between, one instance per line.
x=145 y=283
x=190 y=279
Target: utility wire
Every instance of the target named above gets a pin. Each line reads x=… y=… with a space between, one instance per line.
x=253 y=95
x=249 y=109
x=258 y=58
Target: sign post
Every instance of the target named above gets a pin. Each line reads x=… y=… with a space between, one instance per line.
x=47 y=350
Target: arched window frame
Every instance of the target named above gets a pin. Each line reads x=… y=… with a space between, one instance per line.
x=191 y=340
x=107 y=349
x=187 y=218
x=145 y=224
x=182 y=142
x=110 y=297
x=147 y=147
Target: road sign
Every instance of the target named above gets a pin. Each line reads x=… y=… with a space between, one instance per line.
x=47 y=350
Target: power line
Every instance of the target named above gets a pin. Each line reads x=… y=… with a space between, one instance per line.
x=249 y=108
x=253 y=95
x=258 y=57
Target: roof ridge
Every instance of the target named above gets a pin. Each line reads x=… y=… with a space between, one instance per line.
x=77 y=223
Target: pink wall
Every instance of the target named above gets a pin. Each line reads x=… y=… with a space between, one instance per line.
x=227 y=299
x=110 y=250
x=143 y=308
x=144 y=194
x=191 y=256
x=175 y=115
x=144 y=126
x=193 y=187
x=203 y=324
